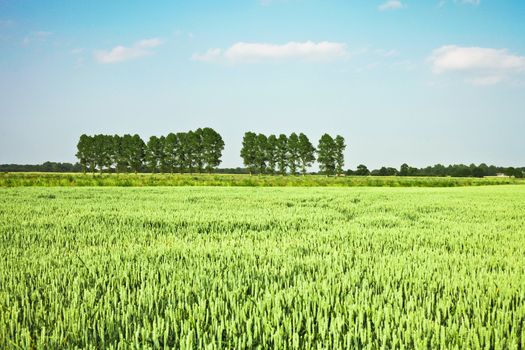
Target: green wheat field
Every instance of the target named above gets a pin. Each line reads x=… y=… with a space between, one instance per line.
x=262 y=267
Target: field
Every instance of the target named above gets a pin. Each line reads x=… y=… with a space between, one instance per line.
x=140 y=180
x=241 y=268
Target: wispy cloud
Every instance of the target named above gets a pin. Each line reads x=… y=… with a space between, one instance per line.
x=38 y=36
x=6 y=23
x=442 y=3
x=391 y=5
x=470 y=2
x=487 y=80
x=259 y=52
x=485 y=66
x=387 y=53
x=121 y=53
x=270 y=2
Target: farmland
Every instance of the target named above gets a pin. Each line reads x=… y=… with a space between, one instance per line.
x=246 y=267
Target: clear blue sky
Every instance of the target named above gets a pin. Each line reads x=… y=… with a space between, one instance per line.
x=403 y=81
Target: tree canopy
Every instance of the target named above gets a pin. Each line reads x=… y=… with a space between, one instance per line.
x=181 y=152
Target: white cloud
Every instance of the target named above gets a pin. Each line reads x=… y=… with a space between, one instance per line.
x=486 y=65
x=121 y=53
x=38 y=36
x=442 y=3
x=456 y=58
x=257 y=52
x=210 y=56
x=470 y=2
x=487 y=80
x=391 y=5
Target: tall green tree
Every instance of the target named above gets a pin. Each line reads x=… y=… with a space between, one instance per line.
x=103 y=149
x=248 y=151
x=184 y=153
x=136 y=152
x=154 y=153
x=294 y=161
x=172 y=150
x=213 y=145
x=125 y=149
x=306 y=153
x=362 y=170
x=261 y=147
x=271 y=153
x=282 y=153
x=192 y=149
x=85 y=153
x=340 y=147
x=198 y=150
x=326 y=155
x=163 y=158
x=120 y=153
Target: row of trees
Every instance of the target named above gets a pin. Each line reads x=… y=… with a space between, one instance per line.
x=454 y=170
x=291 y=154
x=192 y=151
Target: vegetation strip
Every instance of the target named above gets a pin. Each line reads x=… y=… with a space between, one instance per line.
x=75 y=179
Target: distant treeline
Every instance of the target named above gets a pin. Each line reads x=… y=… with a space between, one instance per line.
x=283 y=155
x=454 y=170
x=192 y=151
x=46 y=167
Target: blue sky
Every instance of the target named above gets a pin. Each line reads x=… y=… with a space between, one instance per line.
x=421 y=82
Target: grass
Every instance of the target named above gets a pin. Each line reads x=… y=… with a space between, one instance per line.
x=262 y=268
x=139 y=180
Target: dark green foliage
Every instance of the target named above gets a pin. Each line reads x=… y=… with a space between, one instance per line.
x=197 y=150
x=406 y=170
x=154 y=153
x=172 y=151
x=271 y=153
x=293 y=153
x=248 y=151
x=326 y=155
x=362 y=170
x=306 y=153
x=263 y=154
x=103 y=151
x=282 y=153
x=136 y=153
x=340 y=147
x=184 y=152
x=385 y=171
x=213 y=145
x=120 y=158
x=85 y=152
x=190 y=151
x=261 y=146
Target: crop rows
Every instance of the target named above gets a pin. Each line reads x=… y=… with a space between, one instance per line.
x=259 y=268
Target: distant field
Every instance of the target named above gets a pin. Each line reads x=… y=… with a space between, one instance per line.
x=75 y=179
x=262 y=268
